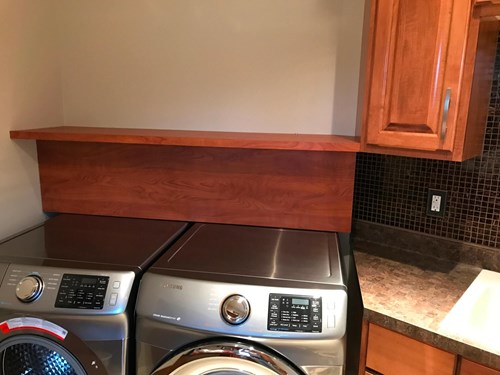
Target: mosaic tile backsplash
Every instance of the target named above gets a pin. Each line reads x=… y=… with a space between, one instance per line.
x=392 y=190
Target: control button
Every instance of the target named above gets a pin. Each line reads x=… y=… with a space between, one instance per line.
x=29 y=288
x=273 y=314
x=330 y=321
x=284 y=325
x=273 y=323
x=113 y=299
x=294 y=325
x=331 y=305
x=116 y=285
x=315 y=318
x=274 y=306
x=235 y=309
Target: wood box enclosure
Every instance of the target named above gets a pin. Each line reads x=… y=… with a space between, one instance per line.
x=300 y=186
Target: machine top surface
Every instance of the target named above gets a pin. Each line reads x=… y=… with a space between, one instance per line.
x=112 y=241
x=270 y=253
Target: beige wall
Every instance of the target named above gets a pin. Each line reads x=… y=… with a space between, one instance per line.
x=235 y=65
x=232 y=65
x=30 y=96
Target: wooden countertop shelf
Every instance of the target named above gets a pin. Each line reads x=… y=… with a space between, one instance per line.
x=267 y=141
x=278 y=180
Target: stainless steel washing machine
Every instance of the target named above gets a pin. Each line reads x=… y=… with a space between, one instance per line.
x=245 y=300
x=67 y=293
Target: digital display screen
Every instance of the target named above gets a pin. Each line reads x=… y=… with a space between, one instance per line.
x=300 y=301
x=294 y=313
x=82 y=292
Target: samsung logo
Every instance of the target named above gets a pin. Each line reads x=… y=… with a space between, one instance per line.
x=172 y=286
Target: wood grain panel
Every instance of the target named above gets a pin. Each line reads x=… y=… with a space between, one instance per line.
x=487 y=8
x=268 y=141
x=414 y=72
x=486 y=2
x=391 y=353
x=477 y=82
x=294 y=189
x=467 y=131
x=417 y=59
x=472 y=368
x=410 y=47
x=364 y=346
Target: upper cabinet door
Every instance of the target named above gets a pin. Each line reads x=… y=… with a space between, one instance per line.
x=415 y=68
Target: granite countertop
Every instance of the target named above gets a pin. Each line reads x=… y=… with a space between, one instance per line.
x=412 y=293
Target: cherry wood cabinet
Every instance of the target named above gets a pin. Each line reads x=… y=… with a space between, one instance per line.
x=385 y=352
x=472 y=368
x=428 y=78
x=391 y=353
x=487 y=2
x=487 y=8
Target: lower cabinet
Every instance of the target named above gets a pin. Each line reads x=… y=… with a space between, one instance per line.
x=391 y=353
x=472 y=368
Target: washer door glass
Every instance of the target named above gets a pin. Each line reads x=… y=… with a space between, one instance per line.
x=226 y=358
x=36 y=355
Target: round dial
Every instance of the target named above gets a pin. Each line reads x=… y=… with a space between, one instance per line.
x=235 y=309
x=29 y=288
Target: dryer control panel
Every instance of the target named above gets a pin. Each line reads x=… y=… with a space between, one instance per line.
x=294 y=313
x=37 y=288
x=244 y=309
x=82 y=291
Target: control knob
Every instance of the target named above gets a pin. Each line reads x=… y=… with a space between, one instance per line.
x=29 y=288
x=235 y=309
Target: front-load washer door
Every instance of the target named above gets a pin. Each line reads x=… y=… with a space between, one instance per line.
x=26 y=354
x=227 y=358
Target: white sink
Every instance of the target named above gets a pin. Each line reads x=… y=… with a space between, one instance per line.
x=475 y=318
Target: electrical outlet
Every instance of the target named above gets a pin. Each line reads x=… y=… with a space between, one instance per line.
x=436 y=202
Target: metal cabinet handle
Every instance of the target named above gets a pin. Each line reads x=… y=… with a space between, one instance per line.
x=446 y=109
